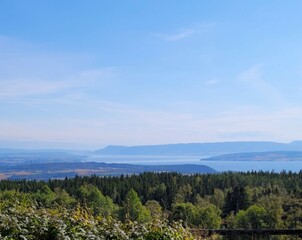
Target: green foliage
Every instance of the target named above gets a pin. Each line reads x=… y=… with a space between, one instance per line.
x=230 y=221
x=293 y=212
x=274 y=211
x=35 y=223
x=253 y=218
x=236 y=199
x=46 y=196
x=218 y=198
x=207 y=217
x=185 y=212
x=95 y=200
x=154 y=208
x=146 y=206
x=133 y=209
x=63 y=198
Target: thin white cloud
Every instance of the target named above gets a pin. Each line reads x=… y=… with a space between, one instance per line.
x=213 y=81
x=64 y=112
x=24 y=87
x=115 y=123
x=252 y=74
x=16 y=87
x=253 y=77
x=186 y=33
x=98 y=74
x=179 y=35
x=26 y=71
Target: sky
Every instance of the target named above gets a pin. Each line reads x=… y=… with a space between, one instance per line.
x=86 y=74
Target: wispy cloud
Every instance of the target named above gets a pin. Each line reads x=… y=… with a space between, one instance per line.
x=118 y=123
x=98 y=73
x=42 y=105
x=186 y=32
x=27 y=71
x=77 y=81
x=179 y=35
x=28 y=87
x=253 y=77
x=213 y=81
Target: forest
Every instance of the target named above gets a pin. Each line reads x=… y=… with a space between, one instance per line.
x=150 y=205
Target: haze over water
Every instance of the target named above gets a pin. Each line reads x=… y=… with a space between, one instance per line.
x=276 y=166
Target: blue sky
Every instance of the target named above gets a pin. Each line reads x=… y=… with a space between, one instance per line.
x=85 y=74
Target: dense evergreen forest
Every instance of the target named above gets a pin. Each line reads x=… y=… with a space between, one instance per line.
x=149 y=205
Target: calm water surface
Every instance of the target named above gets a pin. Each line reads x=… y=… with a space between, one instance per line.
x=276 y=166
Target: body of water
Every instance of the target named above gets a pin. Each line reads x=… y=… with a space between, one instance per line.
x=276 y=166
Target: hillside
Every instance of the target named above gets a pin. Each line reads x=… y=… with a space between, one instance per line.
x=259 y=156
x=201 y=148
x=70 y=169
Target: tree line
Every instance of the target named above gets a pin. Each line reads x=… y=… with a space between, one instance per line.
x=252 y=200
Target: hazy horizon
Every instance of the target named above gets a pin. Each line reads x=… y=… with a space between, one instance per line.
x=75 y=75
x=82 y=147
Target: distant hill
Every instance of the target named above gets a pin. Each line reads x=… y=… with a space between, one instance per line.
x=201 y=148
x=67 y=169
x=259 y=156
x=13 y=157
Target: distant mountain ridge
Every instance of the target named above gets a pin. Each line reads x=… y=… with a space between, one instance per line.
x=47 y=171
x=259 y=156
x=217 y=148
